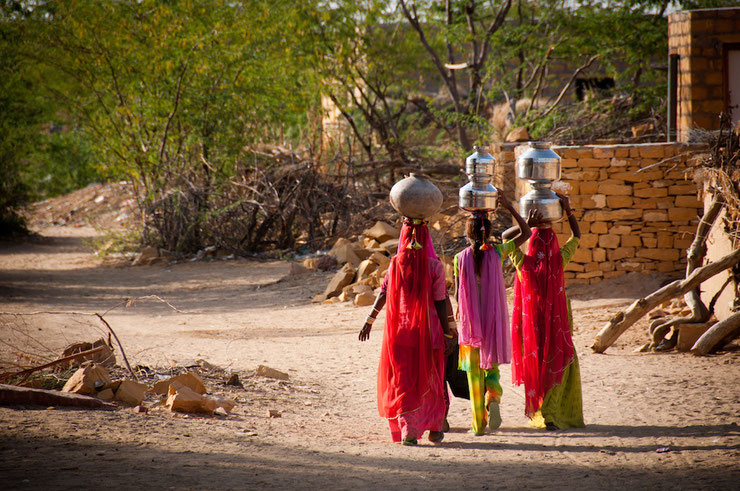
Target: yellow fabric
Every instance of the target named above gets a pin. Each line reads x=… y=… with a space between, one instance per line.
x=484 y=385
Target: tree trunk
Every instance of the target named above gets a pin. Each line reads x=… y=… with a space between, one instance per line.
x=729 y=327
x=622 y=321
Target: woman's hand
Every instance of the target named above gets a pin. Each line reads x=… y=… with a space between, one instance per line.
x=365 y=332
x=534 y=218
x=564 y=202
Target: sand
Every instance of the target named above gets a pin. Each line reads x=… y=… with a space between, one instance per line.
x=662 y=421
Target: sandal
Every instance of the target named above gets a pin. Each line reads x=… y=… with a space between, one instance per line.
x=494 y=416
x=409 y=441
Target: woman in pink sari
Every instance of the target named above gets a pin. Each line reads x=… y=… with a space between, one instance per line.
x=484 y=337
x=411 y=390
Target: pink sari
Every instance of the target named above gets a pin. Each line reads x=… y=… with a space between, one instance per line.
x=542 y=346
x=411 y=371
x=484 y=314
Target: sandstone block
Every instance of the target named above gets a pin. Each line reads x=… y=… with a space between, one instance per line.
x=390 y=245
x=587 y=163
x=618 y=201
x=87 y=380
x=364 y=299
x=599 y=227
x=658 y=254
x=651 y=151
x=598 y=254
x=566 y=163
x=610 y=215
x=189 y=379
x=130 y=392
x=592 y=274
x=339 y=243
x=689 y=189
x=588 y=241
x=609 y=241
x=620 y=230
x=603 y=152
x=650 y=192
x=621 y=253
x=667 y=266
x=105 y=395
x=341 y=278
x=631 y=241
x=265 y=371
x=655 y=216
x=688 y=334
x=381 y=232
x=574 y=267
x=346 y=254
x=582 y=255
x=688 y=202
x=365 y=269
x=650 y=242
x=592 y=267
x=637 y=177
x=665 y=240
x=680 y=214
x=607 y=266
x=589 y=187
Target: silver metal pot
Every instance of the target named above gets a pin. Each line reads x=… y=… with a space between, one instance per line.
x=538 y=163
x=479 y=194
x=472 y=199
x=542 y=198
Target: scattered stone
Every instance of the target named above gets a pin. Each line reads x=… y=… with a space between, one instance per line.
x=182 y=399
x=234 y=380
x=366 y=268
x=87 y=380
x=219 y=411
x=654 y=314
x=364 y=299
x=642 y=349
x=381 y=232
x=338 y=244
x=326 y=262
x=189 y=379
x=106 y=394
x=346 y=254
x=342 y=278
x=265 y=371
x=519 y=134
x=141 y=409
x=130 y=392
x=390 y=246
x=274 y=413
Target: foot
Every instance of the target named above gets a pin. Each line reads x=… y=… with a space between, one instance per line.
x=551 y=427
x=409 y=441
x=445 y=426
x=494 y=416
x=436 y=436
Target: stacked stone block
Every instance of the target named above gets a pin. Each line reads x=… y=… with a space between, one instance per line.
x=629 y=221
x=699 y=38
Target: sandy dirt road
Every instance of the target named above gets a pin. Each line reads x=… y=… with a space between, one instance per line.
x=239 y=314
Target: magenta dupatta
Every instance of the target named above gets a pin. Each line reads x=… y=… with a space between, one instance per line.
x=484 y=314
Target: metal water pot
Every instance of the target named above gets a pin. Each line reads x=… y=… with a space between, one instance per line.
x=541 y=167
x=542 y=198
x=416 y=197
x=538 y=163
x=479 y=194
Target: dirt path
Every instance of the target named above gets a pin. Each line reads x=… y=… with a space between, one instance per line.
x=236 y=314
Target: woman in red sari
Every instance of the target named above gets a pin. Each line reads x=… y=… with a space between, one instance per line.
x=411 y=389
x=542 y=352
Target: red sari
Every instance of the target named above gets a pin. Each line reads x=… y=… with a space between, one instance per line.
x=542 y=346
x=411 y=370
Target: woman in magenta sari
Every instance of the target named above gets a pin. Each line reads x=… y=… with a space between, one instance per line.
x=543 y=356
x=411 y=390
x=484 y=337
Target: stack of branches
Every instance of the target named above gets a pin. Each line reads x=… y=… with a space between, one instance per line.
x=270 y=203
x=585 y=122
x=720 y=168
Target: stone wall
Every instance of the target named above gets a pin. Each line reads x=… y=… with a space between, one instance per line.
x=629 y=221
x=699 y=38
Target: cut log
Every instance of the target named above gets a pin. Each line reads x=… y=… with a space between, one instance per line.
x=623 y=320
x=715 y=334
x=12 y=395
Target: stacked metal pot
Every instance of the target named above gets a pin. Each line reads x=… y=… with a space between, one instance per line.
x=479 y=195
x=541 y=167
